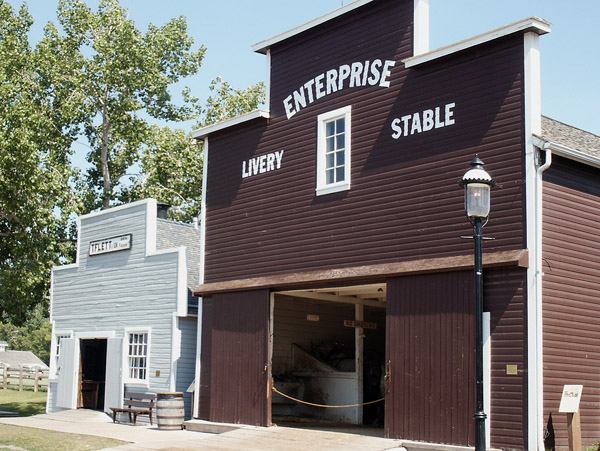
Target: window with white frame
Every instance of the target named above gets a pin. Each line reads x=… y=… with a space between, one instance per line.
x=333 y=151
x=137 y=356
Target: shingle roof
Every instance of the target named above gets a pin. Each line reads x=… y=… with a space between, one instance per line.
x=17 y=358
x=571 y=137
x=170 y=234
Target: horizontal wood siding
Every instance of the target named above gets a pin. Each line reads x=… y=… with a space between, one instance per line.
x=240 y=366
x=120 y=290
x=186 y=363
x=571 y=299
x=431 y=358
x=431 y=350
x=404 y=203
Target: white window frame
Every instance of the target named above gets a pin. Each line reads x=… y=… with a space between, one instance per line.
x=127 y=379
x=56 y=337
x=322 y=186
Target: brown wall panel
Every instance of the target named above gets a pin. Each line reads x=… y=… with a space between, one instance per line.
x=430 y=353
x=431 y=347
x=571 y=303
x=404 y=202
x=239 y=358
x=505 y=297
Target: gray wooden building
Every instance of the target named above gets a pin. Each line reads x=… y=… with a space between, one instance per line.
x=123 y=316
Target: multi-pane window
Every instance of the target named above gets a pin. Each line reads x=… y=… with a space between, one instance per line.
x=333 y=151
x=335 y=139
x=138 y=355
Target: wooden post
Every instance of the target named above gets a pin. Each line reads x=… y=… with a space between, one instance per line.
x=574 y=430
x=5 y=376
x=21 y=379
x=37 y=378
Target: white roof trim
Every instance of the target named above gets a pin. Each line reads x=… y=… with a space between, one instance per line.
x=566 y=152
x=263 y=46
x=117 y=208
x=535 y=24
x=205 y=131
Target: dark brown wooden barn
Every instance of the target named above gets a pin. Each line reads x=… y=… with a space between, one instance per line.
x=332 y=227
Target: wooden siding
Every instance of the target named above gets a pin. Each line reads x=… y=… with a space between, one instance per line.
x=431 y=350
x=404 y=203
x=186 y=363
x=120 y=290
x=205 y=357
x=571 y=300
x=431 y=358
x=505 y=297
x=240 y=358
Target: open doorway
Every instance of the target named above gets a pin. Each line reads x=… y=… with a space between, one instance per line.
x=328 y=348
x=92 y=374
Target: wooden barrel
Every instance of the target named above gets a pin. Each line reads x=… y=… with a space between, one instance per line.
x=169 y=411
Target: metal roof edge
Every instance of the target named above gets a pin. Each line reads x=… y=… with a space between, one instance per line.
x=263 y=46
x=566 y=152
x=205 y=131
x=535 y=24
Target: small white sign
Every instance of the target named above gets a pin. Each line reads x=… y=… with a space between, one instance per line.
x=569 y=403
x=117 y=243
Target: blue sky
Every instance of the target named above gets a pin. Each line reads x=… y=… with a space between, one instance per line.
x=570 y=54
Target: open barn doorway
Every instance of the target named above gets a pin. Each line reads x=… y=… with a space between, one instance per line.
x=328 y=348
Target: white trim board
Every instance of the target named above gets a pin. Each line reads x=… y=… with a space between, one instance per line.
x=263 y=46
x=205 y=131
x=532 y=24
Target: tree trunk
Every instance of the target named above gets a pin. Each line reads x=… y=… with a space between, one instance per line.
x=107 y=189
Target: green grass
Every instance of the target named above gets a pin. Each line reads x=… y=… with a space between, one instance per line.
x=25 y=403
x=33 y=439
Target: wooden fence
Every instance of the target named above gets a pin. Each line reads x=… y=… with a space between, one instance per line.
x=24 y=377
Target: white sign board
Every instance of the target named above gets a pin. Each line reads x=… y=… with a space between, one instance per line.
x=117 y=243
x=569 y=403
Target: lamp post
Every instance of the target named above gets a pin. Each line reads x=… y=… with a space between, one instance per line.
x=478 y=183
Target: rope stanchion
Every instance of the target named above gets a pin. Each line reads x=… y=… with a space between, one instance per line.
x=322 y=405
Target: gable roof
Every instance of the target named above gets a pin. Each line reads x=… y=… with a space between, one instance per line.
x=15 y=359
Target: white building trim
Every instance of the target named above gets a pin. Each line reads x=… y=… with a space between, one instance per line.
x=421 y=27
x=205 y=131
x=532 y=24
x=533 y=126
x=263 y=46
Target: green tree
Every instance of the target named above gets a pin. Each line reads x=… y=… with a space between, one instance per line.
x=171 y=164
x=227 y=102
x=35 y=197
x=117 y=76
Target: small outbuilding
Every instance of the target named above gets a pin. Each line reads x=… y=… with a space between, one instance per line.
x=123 y=317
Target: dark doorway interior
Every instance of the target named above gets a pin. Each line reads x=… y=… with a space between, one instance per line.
x=92 y=374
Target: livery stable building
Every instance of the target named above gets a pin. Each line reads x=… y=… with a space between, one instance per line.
x=332 y=255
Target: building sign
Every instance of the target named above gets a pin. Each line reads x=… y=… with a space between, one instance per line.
x=423 y=121
x=359 y=73
x=363 y=324
x=569 y=403
x=262 y=164
x=117 y=243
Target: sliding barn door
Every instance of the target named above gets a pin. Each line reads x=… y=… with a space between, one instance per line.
x=430 y=356
x=240 y=366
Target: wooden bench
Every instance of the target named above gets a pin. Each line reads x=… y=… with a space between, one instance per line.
x=136 y=404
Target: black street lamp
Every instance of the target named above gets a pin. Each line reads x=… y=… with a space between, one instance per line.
x=478 y=183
